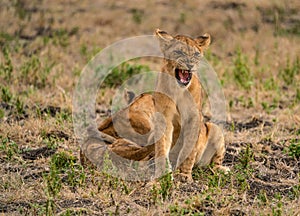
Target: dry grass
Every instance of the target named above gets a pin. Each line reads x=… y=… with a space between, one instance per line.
x=255 y=51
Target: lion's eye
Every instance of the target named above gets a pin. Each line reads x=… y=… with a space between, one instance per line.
x=196 y=54
x=178 y=52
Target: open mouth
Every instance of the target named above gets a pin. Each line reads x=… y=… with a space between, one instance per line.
x=183 y=76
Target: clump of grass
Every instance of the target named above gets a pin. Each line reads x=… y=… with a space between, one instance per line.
x=6 y=95
x=243 y=169
x=88 y=54
x=20 y=10
x=13 y=103
x=271 y=85
x=33 y=72
x=246 y=157
x=297 y=96
x=123 y=72
x=262 y=197
x=64 y=116
x=108 y=171
x=6 y=67
x=175 y=209
x=61 y=38
x=64 y=169
x=165 y=186
x=51 y=141
x=268 y=107
x=241 y=71
x=182 y=18
x=294 y=148
x=20 y=107
x=9 y=147
x=289 y=72
x=6 y=39
x=67 y=164
x=137 y=15
x=161 y=192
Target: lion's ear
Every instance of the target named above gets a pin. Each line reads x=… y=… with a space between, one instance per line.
x=164 y=39
x=204 y=40
x=162 y=35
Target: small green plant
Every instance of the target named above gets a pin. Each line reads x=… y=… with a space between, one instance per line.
x=19 y=106
x=243 y=169
x=137 y=15
x=109 y=170
x=61 y=37
x=246 y=157
x=262 y=197
x=271 y=85
x=2 y=113
x=108 y=166
x=294 y=148
x=166 y=183
x=217 y=180
x=277 y=211
x=54 y=183
x=88 y=54
x=20 y=10
x=241 y=177
x=289 y=72
x=241 y=71
x=182 y=18
x=63 y=116
x=34 y=72
x=295 y=192
x=51 y=141
x=14 y=103
x=6 y=39
x=231 y=103
x=38 y=209
x=6 y=68
x=232 y=126
x=160 y=192
x=6 y=95
x=269 y=107
x=63 y=169
x=297 y=96
x=154 y=194
x=175 y=209
x=71 y=212
x=53 y=186
x=123 y=72
x=64 y=163
x=9 y=147
x=257 y=55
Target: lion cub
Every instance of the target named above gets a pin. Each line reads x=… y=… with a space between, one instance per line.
x=170 y=119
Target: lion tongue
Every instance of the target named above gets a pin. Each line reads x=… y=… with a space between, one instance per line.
x=184 y=76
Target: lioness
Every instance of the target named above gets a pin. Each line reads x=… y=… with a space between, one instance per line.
x=179 y=133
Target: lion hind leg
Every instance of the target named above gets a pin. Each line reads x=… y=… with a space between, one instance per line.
x=215 y=148
x=132 y=151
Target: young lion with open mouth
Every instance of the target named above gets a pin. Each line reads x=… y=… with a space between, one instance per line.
x=168 y=125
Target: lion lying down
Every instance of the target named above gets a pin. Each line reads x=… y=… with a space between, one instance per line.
x=179 y=100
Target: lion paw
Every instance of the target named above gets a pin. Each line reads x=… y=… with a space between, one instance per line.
x=182 y=177
x=224 y=169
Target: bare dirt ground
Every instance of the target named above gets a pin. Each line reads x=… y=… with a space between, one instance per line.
x=255 y=52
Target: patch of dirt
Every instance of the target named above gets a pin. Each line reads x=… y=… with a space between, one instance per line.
x=13 y=206
x=227 y=5
x=34 y=154
x=253 y=123
x=51 y=110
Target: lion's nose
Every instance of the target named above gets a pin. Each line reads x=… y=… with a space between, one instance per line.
x=189 y=66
